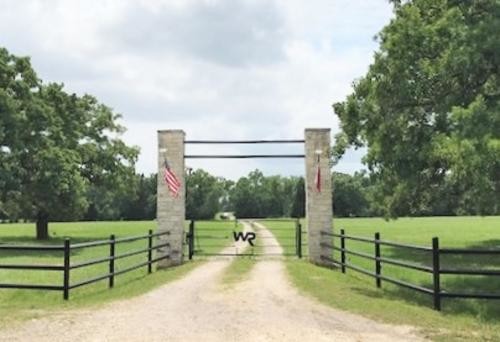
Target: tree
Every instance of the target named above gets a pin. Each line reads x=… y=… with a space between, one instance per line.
x=54 y=146
x=299 y=201
x=429 y=107
x=204 y=193
x=349 y=195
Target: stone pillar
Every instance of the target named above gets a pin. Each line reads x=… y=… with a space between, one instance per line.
x=319 y=211
x=171 y=210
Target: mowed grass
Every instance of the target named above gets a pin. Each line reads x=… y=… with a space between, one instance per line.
x=464 y=232
x=213 y=236
x=460 y=319
x=17 y=304
x=284 y=230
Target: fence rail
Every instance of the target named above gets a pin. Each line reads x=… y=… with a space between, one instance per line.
x=67 y=266
x=436 y=270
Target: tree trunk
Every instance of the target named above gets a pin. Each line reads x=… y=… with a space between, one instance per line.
x=42 y=226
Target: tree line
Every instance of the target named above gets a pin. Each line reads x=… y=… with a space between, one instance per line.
x=254 y=195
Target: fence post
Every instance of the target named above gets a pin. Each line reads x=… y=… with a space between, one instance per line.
x=436 y=274
x=378 y=266
x=342 y=252
x=150 y=250
x=67 y=253
x=191 y=240
x=298 y=239
x=112 y=261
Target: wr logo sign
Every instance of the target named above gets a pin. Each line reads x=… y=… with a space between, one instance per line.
x=249 y=236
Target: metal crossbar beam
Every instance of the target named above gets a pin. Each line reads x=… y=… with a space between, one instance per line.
x=241 y=156
x=282 y=141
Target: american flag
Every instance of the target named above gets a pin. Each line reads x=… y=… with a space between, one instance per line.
x=174 y=185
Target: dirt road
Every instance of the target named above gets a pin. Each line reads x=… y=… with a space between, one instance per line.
x=263 y=308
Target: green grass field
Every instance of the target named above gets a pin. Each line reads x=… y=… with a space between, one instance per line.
x=16 y=304
x=460 y=319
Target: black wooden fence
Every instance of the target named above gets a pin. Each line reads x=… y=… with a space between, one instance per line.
x=67 y=266
x=435 y=270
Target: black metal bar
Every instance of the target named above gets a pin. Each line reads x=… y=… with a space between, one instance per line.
x=470 y=295
x=96 y=243
x=298 y=235
x=32 y=287
x=407 y=265
x=407 y=285
x=246 y=254
x=241 y=156
x=435 y=274
x=90 y=281
x=160 y=246
x=403 y=245
x=191 y=240
x=118 y=256
x=67 y=263
x=342 y=253
x=274 y=219
x=385 y=278
x=378 y=266
x=112 y=261
x=347 y=251
x=90 y=263
x=150 y=251
x=469 y=251
x=33 y=267
x=471 y=272
x=279 y=141
x=31 y=248
x=381 y=242
x=119 y=240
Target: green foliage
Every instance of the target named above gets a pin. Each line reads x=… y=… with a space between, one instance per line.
x=429 y=108
x=350 y=195
x=54 y=146
x=299 y=201
x=204 y=194
x=260 y=196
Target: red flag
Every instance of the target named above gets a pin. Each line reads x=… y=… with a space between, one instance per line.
x=174 y=185
x=318 y=179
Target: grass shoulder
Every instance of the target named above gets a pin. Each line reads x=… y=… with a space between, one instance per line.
x=355 y=293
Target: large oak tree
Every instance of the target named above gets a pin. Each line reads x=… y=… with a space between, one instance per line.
x=54 y=146
x=428 y=109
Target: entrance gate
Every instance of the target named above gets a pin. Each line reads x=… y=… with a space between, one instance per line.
x=214 y=238
x=171 y=207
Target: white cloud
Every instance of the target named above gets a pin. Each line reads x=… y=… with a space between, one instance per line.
x=215 y=68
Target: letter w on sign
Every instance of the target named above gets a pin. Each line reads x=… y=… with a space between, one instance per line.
x=250 y=236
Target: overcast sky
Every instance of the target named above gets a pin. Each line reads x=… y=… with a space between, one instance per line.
x=218 y=69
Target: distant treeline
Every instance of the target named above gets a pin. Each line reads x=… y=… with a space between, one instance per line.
x=254 y=195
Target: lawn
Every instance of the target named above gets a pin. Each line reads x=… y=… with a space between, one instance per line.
x=284 y=231
x=212 y=236
x=460 y=319
x=16 y=304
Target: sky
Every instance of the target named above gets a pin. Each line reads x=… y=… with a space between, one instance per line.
x=217 y=69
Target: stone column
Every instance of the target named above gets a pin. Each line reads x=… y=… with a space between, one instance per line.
x=171 y=210
x=319 y=211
